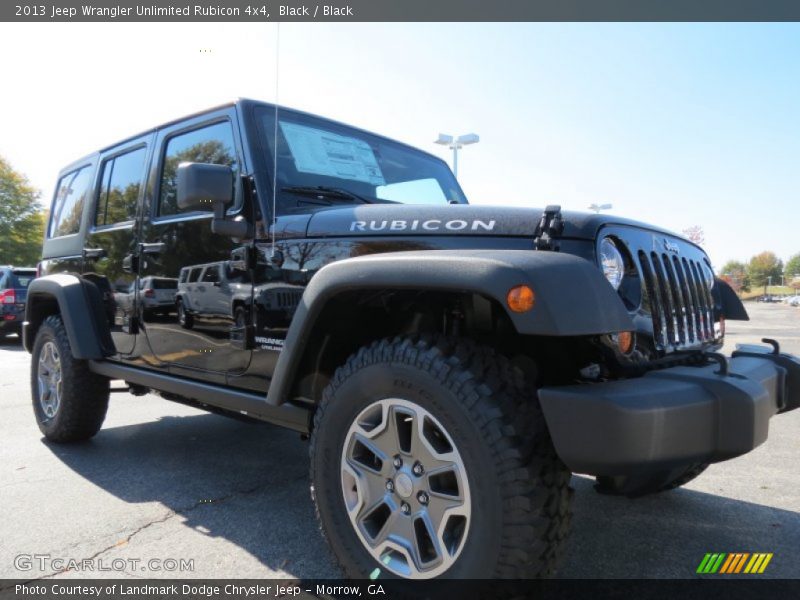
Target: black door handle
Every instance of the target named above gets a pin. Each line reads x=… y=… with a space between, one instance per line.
x=94 y=253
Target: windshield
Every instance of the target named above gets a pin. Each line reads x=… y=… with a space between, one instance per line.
x=322 y=163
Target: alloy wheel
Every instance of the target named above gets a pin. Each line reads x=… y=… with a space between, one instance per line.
x=405 y=489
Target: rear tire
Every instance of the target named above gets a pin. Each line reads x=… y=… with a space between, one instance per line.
x=483 y=418
x=69 y=401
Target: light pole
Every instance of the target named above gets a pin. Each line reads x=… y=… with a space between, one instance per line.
x=598 y=207
x=455 y=144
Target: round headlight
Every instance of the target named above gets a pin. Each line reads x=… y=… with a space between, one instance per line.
x=708 y=275
x=611 y=262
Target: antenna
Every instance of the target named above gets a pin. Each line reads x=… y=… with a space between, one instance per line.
x=275 y=140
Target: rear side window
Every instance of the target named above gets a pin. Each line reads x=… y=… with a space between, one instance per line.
x=183 y=276
x=122 y=179
x=65 y=216
x=211 y=275
x=194 y=275
x=213 y=144
x=164 y=284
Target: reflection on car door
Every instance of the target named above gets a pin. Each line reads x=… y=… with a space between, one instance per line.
x=199 y=349
x=112 y=234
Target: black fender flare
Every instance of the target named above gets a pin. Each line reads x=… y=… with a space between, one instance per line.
x=80 y=305
x=572 y=297
x=727 y=303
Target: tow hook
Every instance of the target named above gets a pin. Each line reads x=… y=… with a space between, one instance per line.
x=722 y=360
x=776 y=347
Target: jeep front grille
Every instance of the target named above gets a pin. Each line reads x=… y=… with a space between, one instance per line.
x=680 y=303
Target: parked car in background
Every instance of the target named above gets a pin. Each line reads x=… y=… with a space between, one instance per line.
x=13 y=294
x=155 y=295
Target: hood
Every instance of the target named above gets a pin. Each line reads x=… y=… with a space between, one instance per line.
x=454 y=219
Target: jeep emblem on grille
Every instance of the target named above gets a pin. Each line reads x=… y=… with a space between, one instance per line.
x=670 y=247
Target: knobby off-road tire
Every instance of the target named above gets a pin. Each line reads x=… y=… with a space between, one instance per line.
x=69 y=401
x=479 y=414
x=663 y=481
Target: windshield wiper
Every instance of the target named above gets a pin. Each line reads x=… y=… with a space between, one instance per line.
x=326 y=193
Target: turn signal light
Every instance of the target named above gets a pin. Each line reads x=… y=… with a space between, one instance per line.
x=520 y=298
x=625 y=341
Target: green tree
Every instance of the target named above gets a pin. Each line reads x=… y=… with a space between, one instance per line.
x=21 y=218
x=763 y=268
x=735 y=274
x=792 y=270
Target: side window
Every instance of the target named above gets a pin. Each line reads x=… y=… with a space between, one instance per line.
x=65 y=216
x=122 y=179
x=194 y=275
x=183 y=276
x=212 y=274
x=213 y=144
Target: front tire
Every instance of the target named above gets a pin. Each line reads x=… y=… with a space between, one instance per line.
x=185 y=319
x=490 y=497
x=69 y=401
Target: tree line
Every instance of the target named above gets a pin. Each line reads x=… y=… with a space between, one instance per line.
x=760 y=271
x=21 y=219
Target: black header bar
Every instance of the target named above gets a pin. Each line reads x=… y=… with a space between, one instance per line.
x=401 y=10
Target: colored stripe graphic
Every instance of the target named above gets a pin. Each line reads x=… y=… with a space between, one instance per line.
x=741 y=562
x=711 y=562
x=703 y=563
x=725 y=563
x=765 y=563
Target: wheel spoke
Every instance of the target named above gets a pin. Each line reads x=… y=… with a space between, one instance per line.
x=427 y=546
x=386 y=438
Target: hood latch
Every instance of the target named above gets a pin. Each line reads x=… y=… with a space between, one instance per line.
x=550 y=227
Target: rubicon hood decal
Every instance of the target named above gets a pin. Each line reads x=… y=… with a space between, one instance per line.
x=450 y=219
x=423 y=225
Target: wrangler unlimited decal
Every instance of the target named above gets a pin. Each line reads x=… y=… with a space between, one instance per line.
x=416 y=225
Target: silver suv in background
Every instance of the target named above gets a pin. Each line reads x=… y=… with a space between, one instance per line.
x=155 y=295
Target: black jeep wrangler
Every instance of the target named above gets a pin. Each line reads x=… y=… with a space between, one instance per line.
x=453 y=364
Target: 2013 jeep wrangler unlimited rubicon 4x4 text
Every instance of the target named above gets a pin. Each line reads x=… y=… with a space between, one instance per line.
x=453 y=364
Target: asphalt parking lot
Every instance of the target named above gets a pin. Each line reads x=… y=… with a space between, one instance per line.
x=163 y=481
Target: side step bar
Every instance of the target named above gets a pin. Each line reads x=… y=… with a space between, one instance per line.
x=250 y=404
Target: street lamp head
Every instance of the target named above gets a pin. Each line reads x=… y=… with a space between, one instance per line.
x=598 y=207
x=468 y=138
x=444 y=139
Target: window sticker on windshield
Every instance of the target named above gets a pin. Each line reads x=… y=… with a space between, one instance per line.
x=325 y=153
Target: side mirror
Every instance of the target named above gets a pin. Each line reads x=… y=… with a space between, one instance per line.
x=205 y=187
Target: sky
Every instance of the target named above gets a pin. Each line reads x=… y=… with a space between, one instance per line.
x=673 y=124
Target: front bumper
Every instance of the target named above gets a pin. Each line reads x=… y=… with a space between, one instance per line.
x=672 y=417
